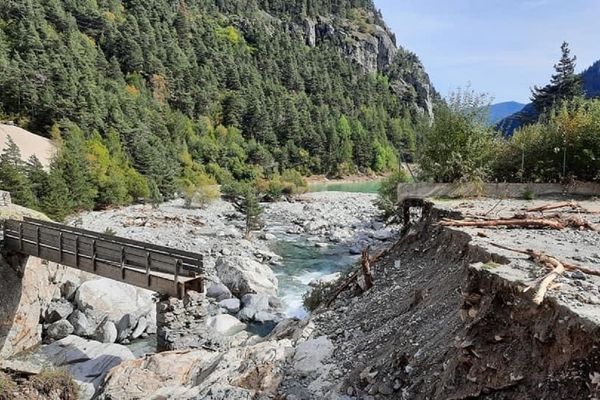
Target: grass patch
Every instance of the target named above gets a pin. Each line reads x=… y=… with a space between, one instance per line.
x=7 y=387
x=56 y=382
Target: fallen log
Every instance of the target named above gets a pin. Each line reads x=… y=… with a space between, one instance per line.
x=547 y=207
x=528 y=223
x=556 y=272
x=351 y=279
x=538 y=255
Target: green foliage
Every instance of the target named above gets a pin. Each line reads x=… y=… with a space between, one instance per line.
x=244 y=196
x=13 y=177
x=563 y=146
x=126 y=87
x=459 y=145
x=565 y=84
x=387 y=198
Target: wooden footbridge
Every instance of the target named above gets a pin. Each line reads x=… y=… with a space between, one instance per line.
x=169 y=272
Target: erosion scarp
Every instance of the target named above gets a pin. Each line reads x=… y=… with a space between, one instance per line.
x=451 y=318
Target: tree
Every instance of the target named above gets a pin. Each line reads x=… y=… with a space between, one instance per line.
x=564 y=85
x=13 y=178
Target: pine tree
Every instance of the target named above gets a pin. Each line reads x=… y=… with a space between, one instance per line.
x=564 y=85
x=13 y=178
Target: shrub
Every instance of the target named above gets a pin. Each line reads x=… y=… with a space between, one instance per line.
x=459 y=145
x=388 y=192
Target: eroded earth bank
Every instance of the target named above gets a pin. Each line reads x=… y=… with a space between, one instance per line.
x=450 y=315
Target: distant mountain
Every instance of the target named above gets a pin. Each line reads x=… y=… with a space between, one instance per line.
x=591 y=80
x=528 y=113
x=500 y=111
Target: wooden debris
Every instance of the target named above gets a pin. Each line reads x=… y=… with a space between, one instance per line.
x=556 y=272
x=547 y=207
x=351 y=279
x=366 y=269
x=523 y=221
x=528 y=223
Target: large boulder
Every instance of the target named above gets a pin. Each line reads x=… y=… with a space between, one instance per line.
x=117 y=302
x=311 y=355
x=58 y=310
x=246 y=372
x=59 y=329
x=82 y=325
x=226 y=324
x=218 y=291
x=243 y=275
x=261 y=308
x=107 y=332
x=87 y=361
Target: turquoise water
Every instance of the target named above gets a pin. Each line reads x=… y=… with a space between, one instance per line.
x=353 y=187
x=303 y=262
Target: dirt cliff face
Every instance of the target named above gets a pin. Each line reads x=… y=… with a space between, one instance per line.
x=441 y=323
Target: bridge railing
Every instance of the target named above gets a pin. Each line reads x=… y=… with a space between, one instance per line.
x=159 y=268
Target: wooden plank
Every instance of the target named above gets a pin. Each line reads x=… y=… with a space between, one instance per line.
x=110 y=238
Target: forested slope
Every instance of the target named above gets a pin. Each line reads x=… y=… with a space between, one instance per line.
x=148 y=95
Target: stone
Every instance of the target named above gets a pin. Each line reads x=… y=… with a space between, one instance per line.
x=261 y=308
x=325 y=279
x=59 y=329
x=107 y=332
x=226 y=324
x=218 y=291
x=231 y=305
x=69 y=288
x=311 y=354
x=268 y=236
x=242 y=373
x=140 y=328
x=57 y=310
x=87 y=361
x=383 y=234
x=82 y=325
x=120 y=303
x=244 y=275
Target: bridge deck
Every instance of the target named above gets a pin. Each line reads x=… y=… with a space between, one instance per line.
x=169 y=272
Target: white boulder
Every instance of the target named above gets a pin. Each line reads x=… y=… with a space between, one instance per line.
x=226 y=324
x=244 y=275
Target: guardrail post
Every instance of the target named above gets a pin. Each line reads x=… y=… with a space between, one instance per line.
x=123 y=260
x=178 y=264
x=77 y=251
x=21 y=237
x=148 y=261
x=60 y=247
x=37 y=240
x=94 y=254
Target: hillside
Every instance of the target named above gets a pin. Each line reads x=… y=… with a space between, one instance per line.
x=591 y=87
x=227 y=89
x=500 y=111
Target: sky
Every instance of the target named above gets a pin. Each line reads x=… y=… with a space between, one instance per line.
x=499 y=47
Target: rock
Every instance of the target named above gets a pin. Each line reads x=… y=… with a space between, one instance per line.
x=58 y=310
x=82 y=325
x=140 y=328
x=267 y=236
x=231 y=305
x=230 y=232
x=59 y=329
x=340 y=235
x=315 y=226
x=226 y=324
x=356 y=249
x=87 y=361
x=310 y=355
x=325 y=279
x=218 y=291
x=321 y=245
x=120 y=303
x=69 y=288
x=240 y=373
x=260 y=308
x=383 y=234
x=243 y=275
x=107 y=332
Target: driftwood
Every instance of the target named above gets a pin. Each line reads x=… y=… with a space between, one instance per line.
x=547 y=207
x=530 y=223
x=366 y=269
x=523 y=221
x=366 y=263
x=351 y=279
x=543 y=288
x=543 y=259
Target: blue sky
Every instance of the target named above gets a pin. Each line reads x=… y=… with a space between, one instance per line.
x=502 y=47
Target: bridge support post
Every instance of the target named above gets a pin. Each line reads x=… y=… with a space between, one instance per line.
x=181 y=324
